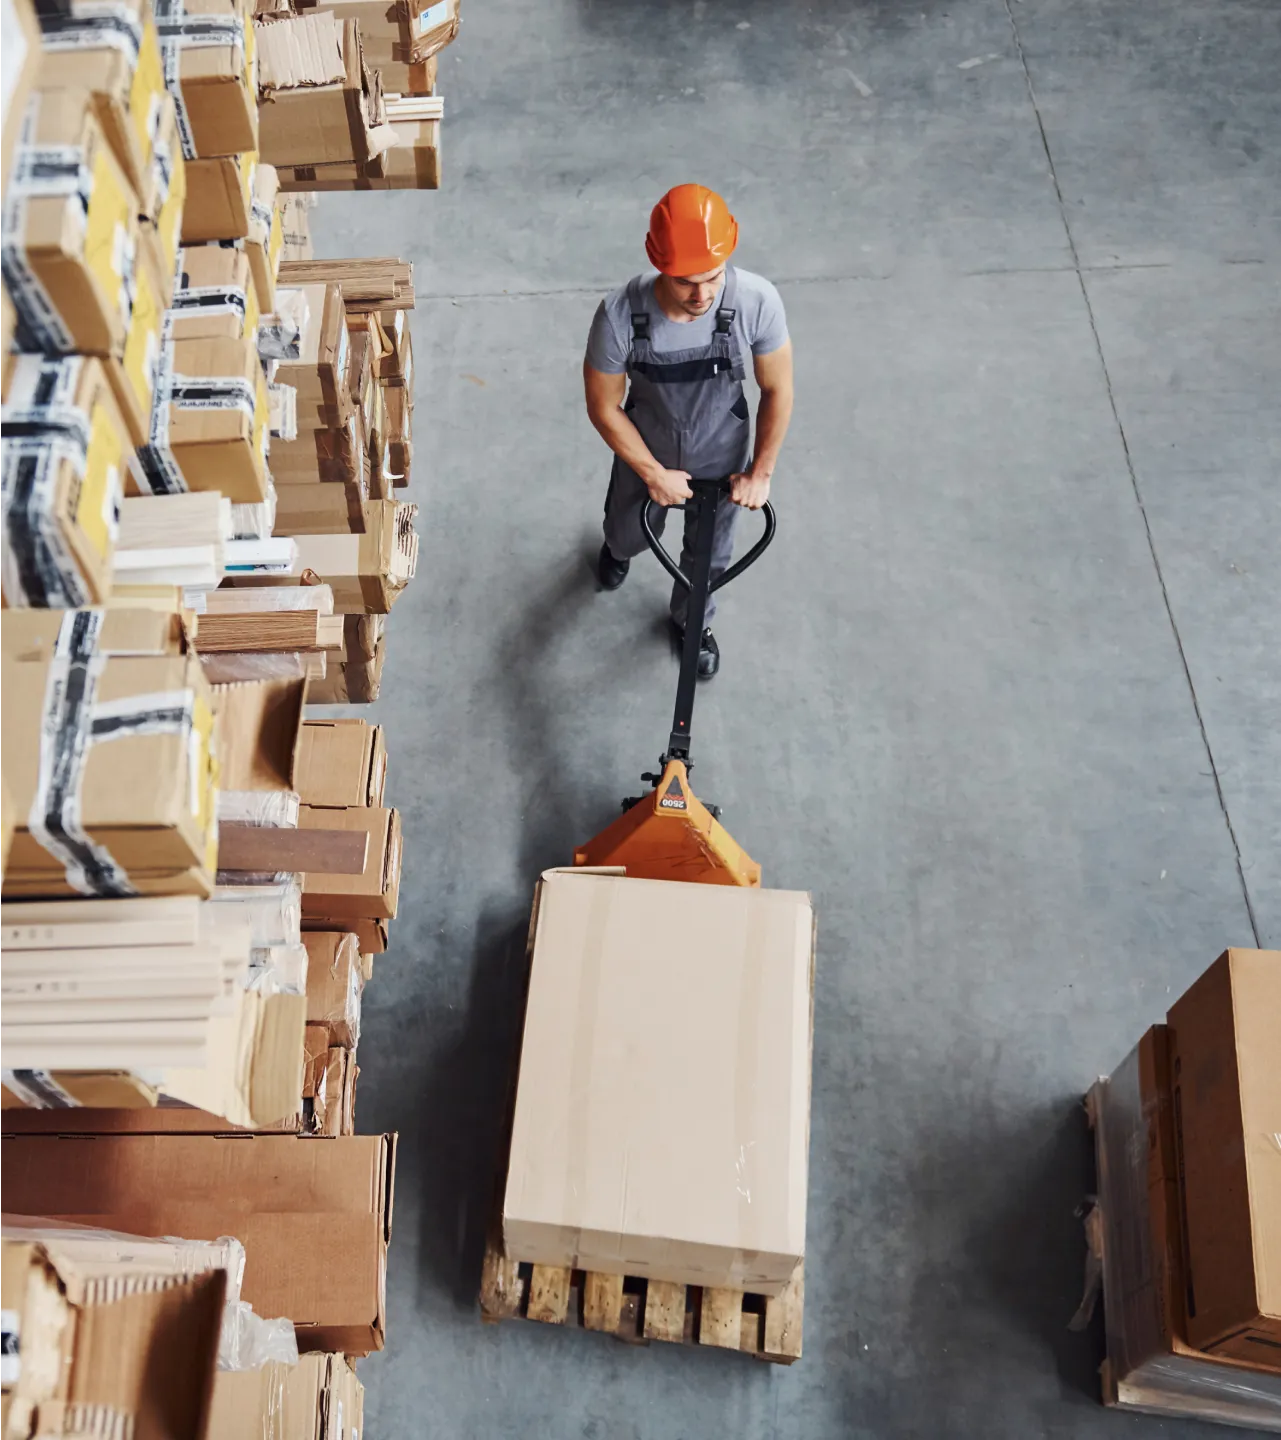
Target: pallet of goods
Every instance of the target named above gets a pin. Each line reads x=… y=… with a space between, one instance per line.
x=204 y=531
x=1187 y=1209
x=638 y=1228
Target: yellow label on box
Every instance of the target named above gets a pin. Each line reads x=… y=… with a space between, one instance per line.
x=147 y=92
x=98 y=507
x=142 y=347
x=275 y=243
x=111 y=236
x=204 y=778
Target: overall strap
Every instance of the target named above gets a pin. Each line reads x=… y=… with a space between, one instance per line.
x=725 y=313
x=640 y=322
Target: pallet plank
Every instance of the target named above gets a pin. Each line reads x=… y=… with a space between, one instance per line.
x=783 y=1321
x=602 y=1301
x=664 y=1311
x=549 y=1294
x=500 y=1285
x=721 y=1323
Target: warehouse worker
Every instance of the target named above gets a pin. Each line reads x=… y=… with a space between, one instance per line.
x=680 y=337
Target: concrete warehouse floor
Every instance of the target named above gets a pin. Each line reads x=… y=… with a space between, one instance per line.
x=1004 y=695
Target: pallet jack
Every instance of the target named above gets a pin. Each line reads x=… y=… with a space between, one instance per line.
x=670 y=834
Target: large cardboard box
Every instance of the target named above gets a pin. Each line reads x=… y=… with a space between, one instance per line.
x=132 y=740
x=314 y=1215
x=693 y=1172
x=214 y=85
x=320 y=1398
x=219 y=198
x=319 y=100
x=340 y=763
x=1226 y=1065
x=371 y=895
x=214 y=295
x=119 y=67
x=123 y=1353
x=64 y=450
x=318 y=509
x=209 y=422
x=399 y=30
x=71 y=231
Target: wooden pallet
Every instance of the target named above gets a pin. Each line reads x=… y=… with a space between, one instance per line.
x=637 y=1310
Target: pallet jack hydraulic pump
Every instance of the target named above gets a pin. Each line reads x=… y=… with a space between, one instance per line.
x=670 y=834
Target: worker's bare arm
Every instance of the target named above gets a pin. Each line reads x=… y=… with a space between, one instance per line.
x=605 y=410
x=774 y=376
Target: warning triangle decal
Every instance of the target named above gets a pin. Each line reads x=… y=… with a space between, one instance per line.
x=673 y=798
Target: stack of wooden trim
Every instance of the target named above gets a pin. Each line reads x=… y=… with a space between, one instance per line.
x=367 y=283
x=151 y=986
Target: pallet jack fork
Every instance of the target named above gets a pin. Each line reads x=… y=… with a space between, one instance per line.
x=670 y=834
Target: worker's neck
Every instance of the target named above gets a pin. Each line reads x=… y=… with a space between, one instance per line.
x=675 y=307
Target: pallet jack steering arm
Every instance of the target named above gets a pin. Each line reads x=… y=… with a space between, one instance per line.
x=705 y=502
x=670 y=834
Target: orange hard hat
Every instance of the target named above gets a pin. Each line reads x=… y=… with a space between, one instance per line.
x=690 y=231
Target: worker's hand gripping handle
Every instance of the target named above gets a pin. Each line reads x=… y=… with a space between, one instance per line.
x=706 y=492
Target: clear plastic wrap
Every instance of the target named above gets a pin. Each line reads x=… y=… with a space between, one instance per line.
x=283 y=402
x=225 y=667
x=277 y=970
x=249 y=1341
x=254 y=522
x=280 y=334
x=277 y=809
x=1149 y=1366
x=273 y=912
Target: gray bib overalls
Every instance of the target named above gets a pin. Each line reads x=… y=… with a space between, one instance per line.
x=690 y=410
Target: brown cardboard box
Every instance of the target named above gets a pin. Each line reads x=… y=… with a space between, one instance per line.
x=413 y=163
x=365 y=572
x=214 y=296
x=335 y=456
x=398 y=407
x=209 y=422
x=329 y=1086
x=647 y=1175
x=260 y=727
x=295 y=224
x=353 y=682
x=319 y=374
x=340 y=763
x=318 y=509
x=266 y=236
x=401 y=30
x=319 y=101
x=60 y=519
x=127 y=1353
x=219 y=198
x=145 y=801
x=94 y=1089
x=393 y=330
x=69 y=258
x=335 y=980
x=371 y=895
x=372 y=934
x=32 y=636
x=320 y=1398
x=313 y=1215
x=21 y=70
x=1226 y=1066
x=126 y=81
x=216 y=92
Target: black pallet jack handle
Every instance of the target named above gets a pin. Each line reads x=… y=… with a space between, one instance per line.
x=706 y=497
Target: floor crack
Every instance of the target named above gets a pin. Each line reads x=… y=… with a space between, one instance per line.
x=1134 y=478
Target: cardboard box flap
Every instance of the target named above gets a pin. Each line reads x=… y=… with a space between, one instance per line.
x=306 y=50
x=259 y=725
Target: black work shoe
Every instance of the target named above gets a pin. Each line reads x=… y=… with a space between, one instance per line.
x=709 y=652
x=612 y=572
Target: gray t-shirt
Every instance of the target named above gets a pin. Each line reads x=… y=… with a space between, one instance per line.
x=760 y=326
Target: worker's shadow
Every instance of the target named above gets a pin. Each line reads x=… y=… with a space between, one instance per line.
x=461 y=1126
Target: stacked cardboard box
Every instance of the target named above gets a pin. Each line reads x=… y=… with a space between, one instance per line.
x=1189 y=1205
x=348 y=94
x=170 y=822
